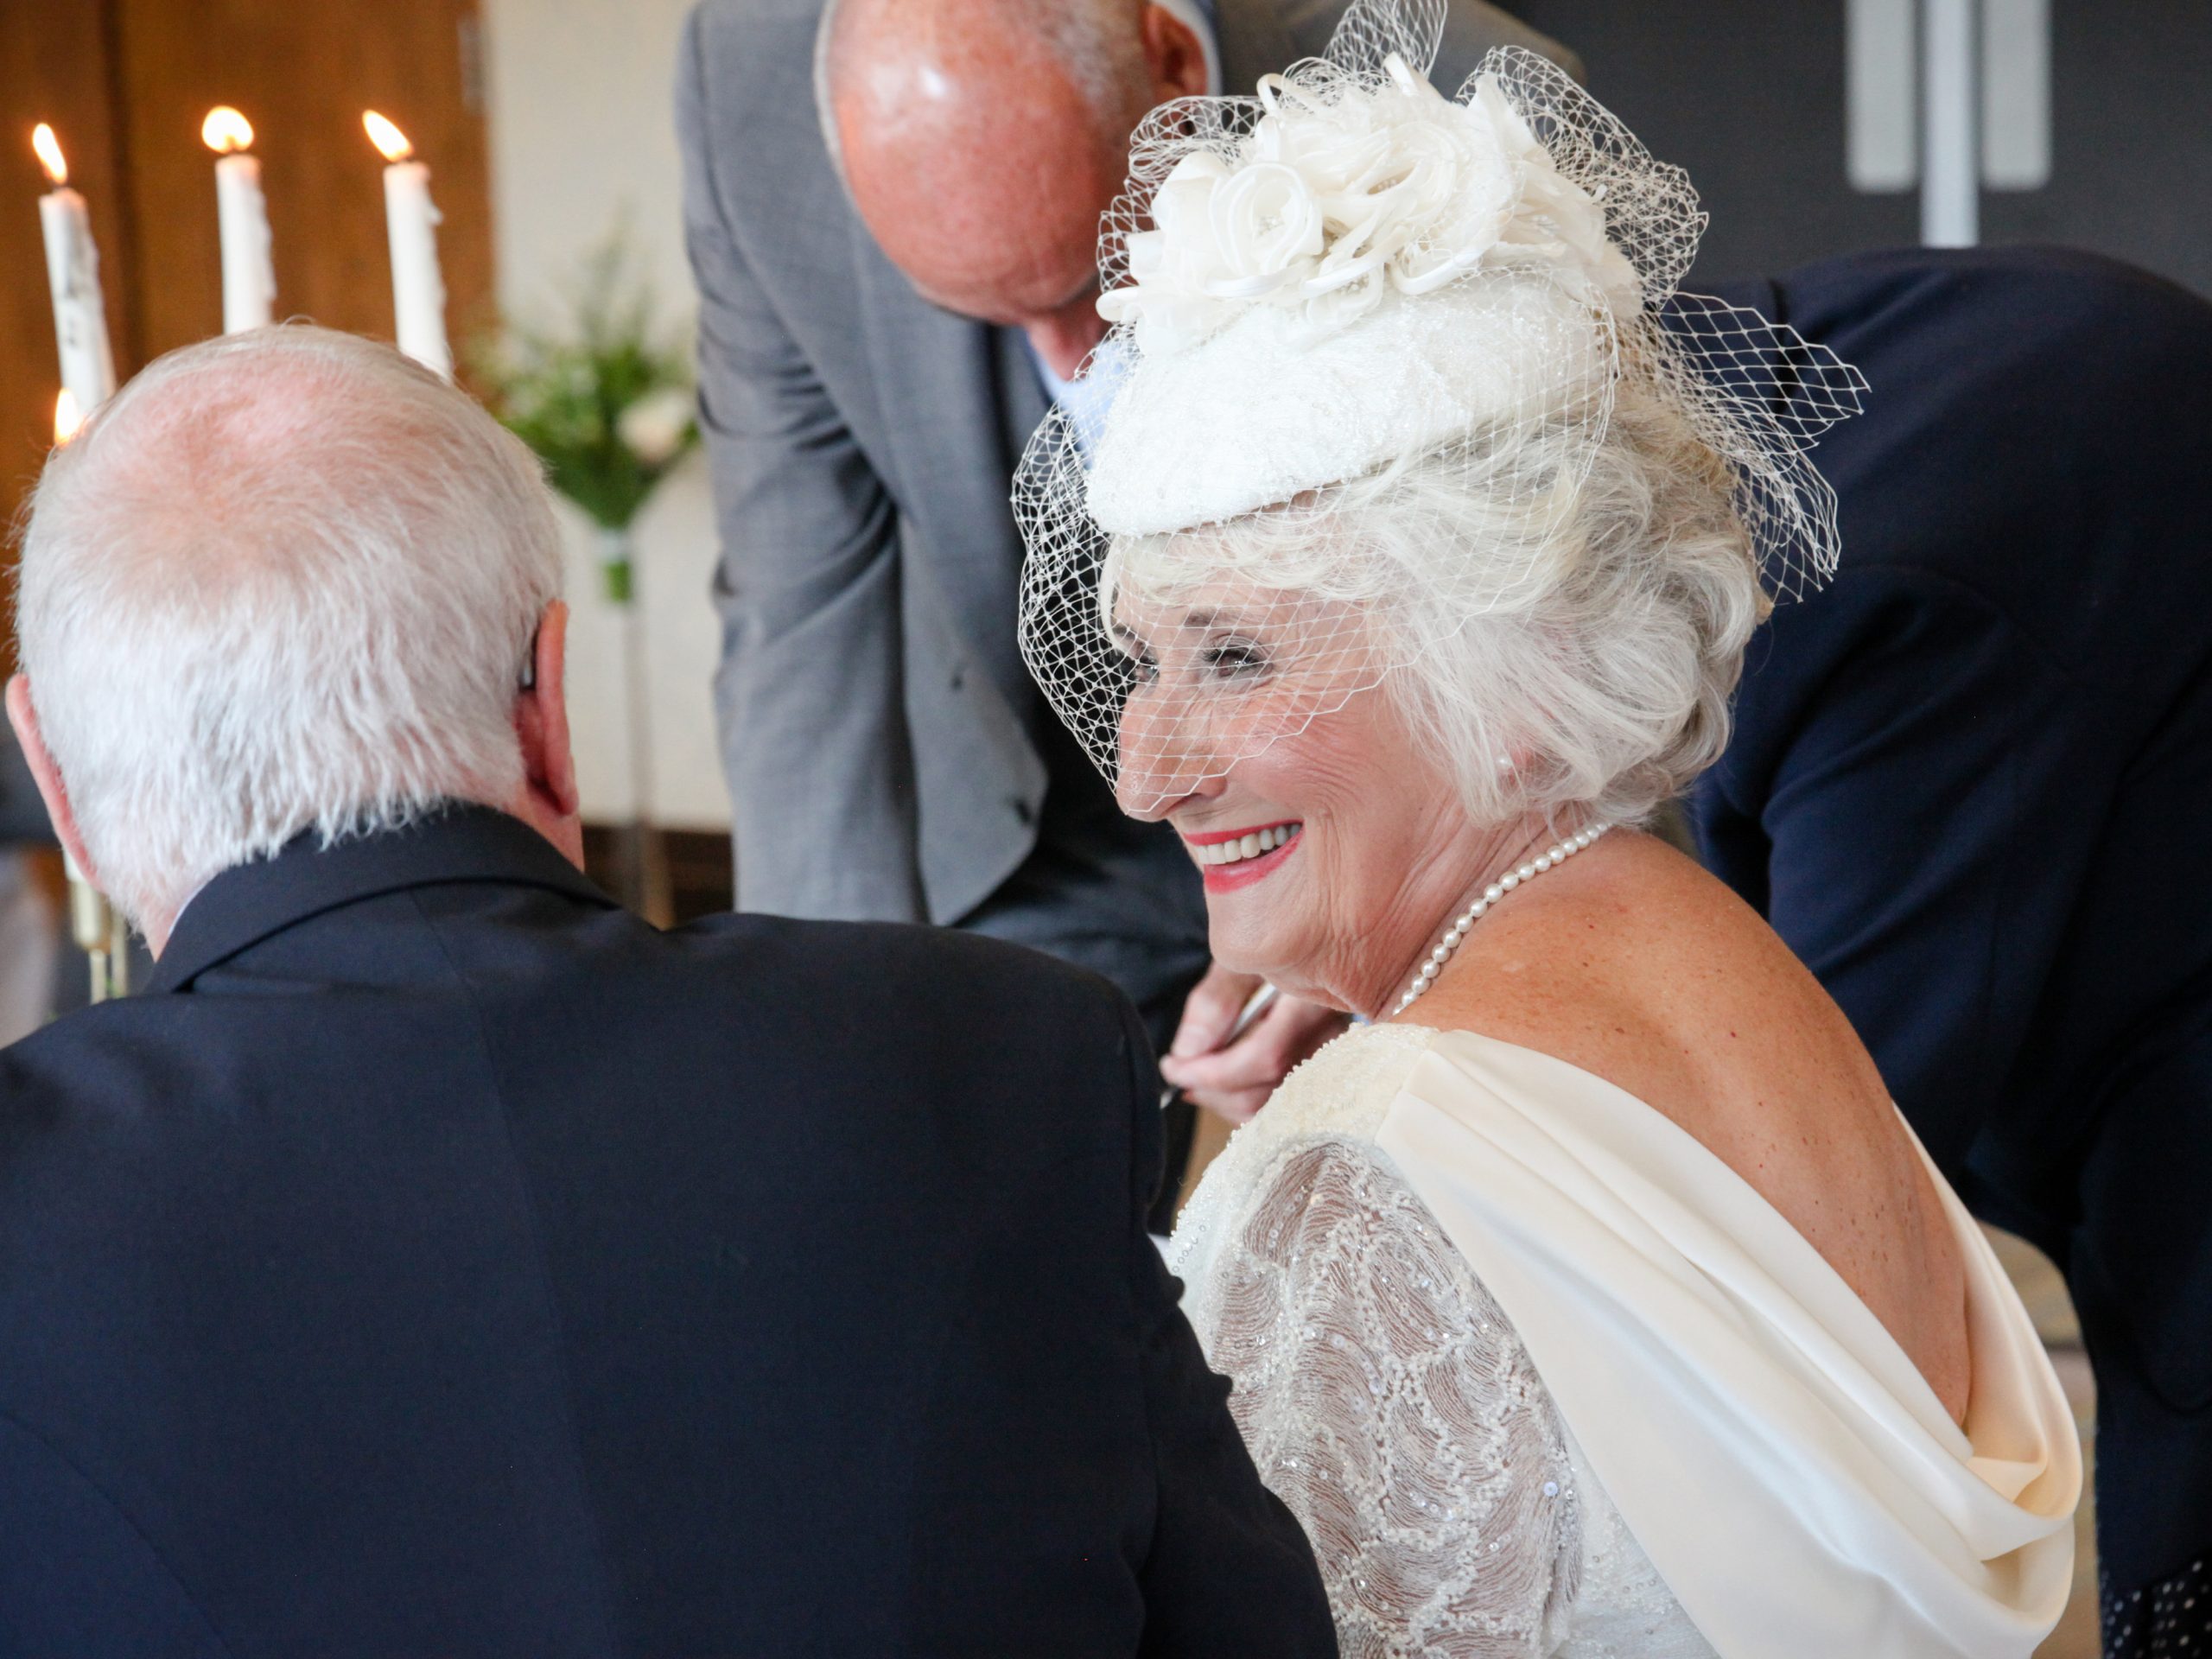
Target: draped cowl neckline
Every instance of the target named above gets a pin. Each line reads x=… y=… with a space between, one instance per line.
x=1790 y=1474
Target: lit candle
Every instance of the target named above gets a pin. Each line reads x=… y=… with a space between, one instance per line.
x=248 y=284
x=72 y=271
x=418 y=293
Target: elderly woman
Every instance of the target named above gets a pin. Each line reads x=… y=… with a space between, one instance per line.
x=1591 y=1297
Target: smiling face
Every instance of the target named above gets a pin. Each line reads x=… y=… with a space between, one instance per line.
x=1331 y=839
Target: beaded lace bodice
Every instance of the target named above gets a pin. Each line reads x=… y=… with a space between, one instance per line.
x=1389 y=1402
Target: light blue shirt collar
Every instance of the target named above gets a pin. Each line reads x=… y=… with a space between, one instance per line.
x=1085 y=402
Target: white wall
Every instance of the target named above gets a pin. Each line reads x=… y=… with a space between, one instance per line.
x=582 y=134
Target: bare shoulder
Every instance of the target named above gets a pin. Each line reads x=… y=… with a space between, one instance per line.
x=1635 y=965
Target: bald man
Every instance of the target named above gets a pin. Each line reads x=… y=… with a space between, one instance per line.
x=892 y=209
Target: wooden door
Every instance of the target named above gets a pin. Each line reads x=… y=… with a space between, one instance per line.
x=126 y=83
x=302 y=74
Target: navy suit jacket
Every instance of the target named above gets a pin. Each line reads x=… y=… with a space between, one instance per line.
x=437 y=1261
x=1971 y=785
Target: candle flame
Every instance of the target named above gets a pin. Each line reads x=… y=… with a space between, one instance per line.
x=49 y=154
x=386 y=137
x=225 y=130
x=67 y=417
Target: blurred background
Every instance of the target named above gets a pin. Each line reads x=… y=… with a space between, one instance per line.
x=1811 y=127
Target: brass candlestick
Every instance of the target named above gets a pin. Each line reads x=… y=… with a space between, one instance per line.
x=100 y=934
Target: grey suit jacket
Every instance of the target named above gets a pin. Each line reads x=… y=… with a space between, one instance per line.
x=885 y=750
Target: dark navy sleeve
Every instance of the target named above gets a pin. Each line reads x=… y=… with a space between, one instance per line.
x=1903 y=802
x=1229 y=1570
x=75 y=1576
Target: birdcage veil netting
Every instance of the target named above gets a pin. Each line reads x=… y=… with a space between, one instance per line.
x=1326 y=291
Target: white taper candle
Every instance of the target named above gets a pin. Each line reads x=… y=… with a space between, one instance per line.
x=72 y=272
x=418 y=290
x=242 y=214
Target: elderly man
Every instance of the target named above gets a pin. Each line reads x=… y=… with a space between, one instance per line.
x=873 y=356
x=436 y=1260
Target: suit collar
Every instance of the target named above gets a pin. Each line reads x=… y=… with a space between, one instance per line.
x=248 y=903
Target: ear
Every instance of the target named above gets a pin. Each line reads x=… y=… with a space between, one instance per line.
x=1174 y=55
x=549 y=798
x=46 y=776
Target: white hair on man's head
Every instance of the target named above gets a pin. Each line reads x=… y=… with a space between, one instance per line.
x=1601 y=667
x=287 y=581
x=1098 y=44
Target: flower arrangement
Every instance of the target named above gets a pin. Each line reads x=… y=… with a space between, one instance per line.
x=1330 y=201
x=605 y=404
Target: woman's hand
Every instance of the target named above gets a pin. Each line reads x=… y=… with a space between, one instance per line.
x=1234 y=1082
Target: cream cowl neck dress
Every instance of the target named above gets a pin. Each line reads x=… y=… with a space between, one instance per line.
x=1542 y=1375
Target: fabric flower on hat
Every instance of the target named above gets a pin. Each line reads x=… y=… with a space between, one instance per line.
x=1329 y=199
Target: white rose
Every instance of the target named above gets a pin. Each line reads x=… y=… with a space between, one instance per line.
x=1454 y=197
x=1167 y=301
x=1554 y=219
x=653 y=427
x=1172 y=265
x=1265 y=222
x=1341 y=193
x=1336 y=149
x=1178 y=207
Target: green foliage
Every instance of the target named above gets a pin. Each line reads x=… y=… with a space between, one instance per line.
x=605 y=405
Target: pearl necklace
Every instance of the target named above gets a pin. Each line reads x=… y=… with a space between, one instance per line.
x=1496 y=890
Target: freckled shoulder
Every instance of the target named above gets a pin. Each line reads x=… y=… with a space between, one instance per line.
x=1637 y=965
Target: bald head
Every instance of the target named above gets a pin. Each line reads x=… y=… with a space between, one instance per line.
x=982 y=140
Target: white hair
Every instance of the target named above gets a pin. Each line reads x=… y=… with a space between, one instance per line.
x=1599 y=673
x=287 y=581
x=1096 y=43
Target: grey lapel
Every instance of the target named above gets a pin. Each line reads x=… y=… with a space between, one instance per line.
x=1022 y=401
x=938 y=381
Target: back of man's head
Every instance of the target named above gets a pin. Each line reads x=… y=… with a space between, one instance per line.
x=286 y=581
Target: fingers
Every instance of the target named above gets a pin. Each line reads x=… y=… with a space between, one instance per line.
x=1235 y=1081
x=1211 y=1010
